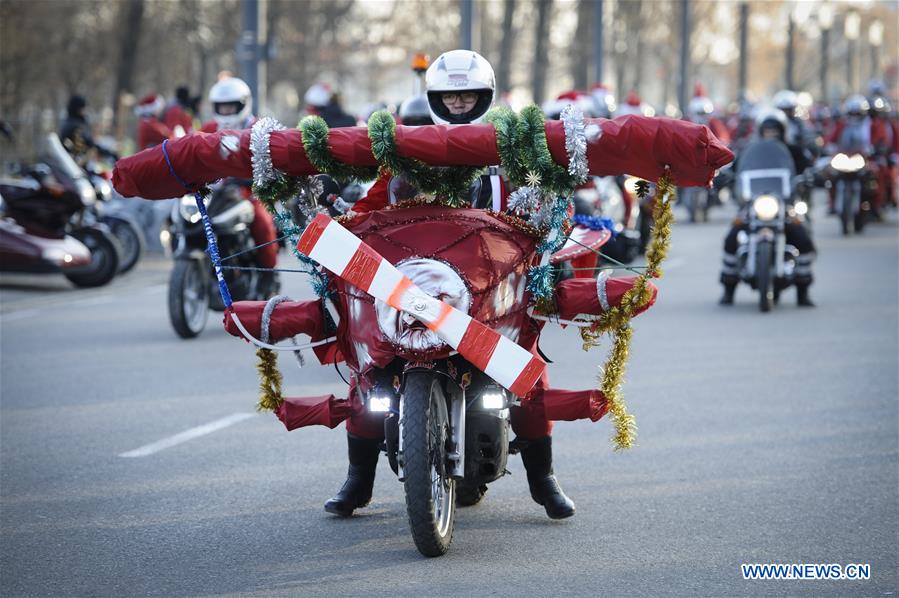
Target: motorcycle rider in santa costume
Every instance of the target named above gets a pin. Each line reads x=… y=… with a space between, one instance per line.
x=232 y=105
x=460 y=87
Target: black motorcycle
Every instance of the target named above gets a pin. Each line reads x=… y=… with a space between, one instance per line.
x=765 y=183
x=193 y=289
x=48 y=222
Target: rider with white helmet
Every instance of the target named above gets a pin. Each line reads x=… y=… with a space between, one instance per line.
x=232 y=104
x=460 y=90
x=232 y=108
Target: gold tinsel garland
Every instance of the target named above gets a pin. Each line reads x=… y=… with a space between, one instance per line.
x=617 y=319
x=270 y=397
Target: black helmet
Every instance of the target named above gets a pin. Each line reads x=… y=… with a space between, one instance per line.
x=76 y=105
x=415 y=112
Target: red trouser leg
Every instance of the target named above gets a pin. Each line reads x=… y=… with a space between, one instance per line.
x=363 y=423
x=263 y=230
x=526 y=424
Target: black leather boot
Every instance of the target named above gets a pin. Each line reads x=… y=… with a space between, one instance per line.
x=728 y=297
x=356 y=491
x=802 y=297
x=537 y=456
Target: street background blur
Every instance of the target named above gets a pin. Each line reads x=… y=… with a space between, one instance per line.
x=115 y=52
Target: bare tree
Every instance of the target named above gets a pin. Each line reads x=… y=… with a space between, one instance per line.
x=580 y=46
x=541 y=57
x=132 y=14
x=505 y=48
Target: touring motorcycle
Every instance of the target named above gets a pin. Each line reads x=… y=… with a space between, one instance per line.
x=49 y=224
x=765 y=181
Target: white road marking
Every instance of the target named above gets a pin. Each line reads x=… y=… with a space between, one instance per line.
x=18 y=315
x=91 y=301
x=190 y=434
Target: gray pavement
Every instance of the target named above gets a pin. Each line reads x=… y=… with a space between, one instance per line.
x=763 y=438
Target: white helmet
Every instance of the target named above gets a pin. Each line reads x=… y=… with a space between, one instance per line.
x=787 y=101
x=232 y=103
x=319 y=95
x=462 y=71
x=700 y=108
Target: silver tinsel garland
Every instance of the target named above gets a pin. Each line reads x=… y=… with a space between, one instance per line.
x=525 y=201
x=575 y=142
x=601 y=290
x=264 y=172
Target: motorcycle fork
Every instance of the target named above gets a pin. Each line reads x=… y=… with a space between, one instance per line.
x=456 y=454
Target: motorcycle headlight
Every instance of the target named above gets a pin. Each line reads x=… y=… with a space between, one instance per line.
x=843 y=163
x=435 y=278
x=766 y=207
x=189 y=210
x=801 y=208
x=493 y=398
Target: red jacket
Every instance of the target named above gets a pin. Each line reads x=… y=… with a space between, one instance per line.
x=176 y=116
x=150 y=132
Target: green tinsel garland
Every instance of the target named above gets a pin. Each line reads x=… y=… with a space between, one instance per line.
x=449 y=184
x=315 y=142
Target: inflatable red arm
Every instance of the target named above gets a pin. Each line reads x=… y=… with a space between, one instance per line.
x=635 y=145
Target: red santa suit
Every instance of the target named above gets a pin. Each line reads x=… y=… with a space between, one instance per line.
x=263 y=228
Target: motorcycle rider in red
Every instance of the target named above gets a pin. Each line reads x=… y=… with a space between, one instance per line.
x=151 y=131
x=460 y=90
x=232 y=105
x=885 y=143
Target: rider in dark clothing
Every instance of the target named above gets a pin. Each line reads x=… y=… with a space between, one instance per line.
x=334 y=115
x=774 y=126
x=75 y=131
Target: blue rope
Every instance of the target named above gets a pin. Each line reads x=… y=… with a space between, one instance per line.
x=212 y=248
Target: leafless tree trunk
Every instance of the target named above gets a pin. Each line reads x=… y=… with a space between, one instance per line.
x=541 y=56
x=504 y=70
x=132 y=12
x=580 y=46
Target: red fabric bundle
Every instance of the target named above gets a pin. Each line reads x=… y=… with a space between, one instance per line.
x=634 y=145
x=556 y=404
x=577 y=296
x=288 y=319
x=326 y=410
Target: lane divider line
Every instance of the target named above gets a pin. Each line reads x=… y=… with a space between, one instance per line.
x=161 y=445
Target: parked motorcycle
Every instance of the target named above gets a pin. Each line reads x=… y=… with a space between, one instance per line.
x=48 y=223
x=193 y=290
x=765 y=180
x=123 y=225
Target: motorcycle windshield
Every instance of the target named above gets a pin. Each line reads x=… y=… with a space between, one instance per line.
x=61 y=160
x=765 y=167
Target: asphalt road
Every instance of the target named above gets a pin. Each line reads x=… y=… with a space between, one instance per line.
x=763 y=438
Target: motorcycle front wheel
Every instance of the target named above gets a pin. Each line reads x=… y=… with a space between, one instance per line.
x=130 y=238
x=104 y=263
x=430 y=492
x=188 y=297
x=763 y=276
